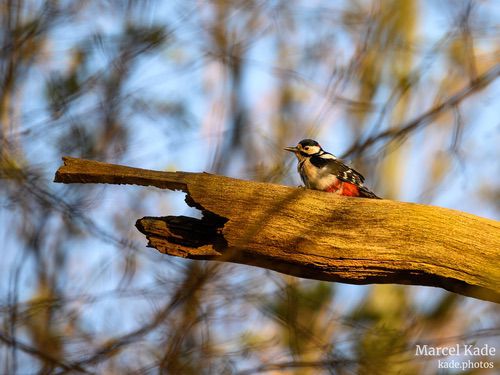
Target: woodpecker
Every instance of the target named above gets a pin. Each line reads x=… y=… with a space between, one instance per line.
x=320 y=170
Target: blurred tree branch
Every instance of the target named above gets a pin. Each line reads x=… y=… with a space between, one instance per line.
x=312 y=234
x=40 y=354
x=451 y=102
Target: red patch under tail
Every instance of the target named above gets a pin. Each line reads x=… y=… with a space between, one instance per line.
x=349 y=190
x=334 y=188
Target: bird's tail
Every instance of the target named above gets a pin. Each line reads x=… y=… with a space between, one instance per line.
x=367 y=193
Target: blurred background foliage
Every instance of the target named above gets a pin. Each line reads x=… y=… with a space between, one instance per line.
x=404 y=89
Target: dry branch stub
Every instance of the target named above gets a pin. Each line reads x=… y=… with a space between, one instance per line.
x=313 y=234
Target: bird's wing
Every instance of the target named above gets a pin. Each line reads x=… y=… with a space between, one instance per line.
x=338 y=168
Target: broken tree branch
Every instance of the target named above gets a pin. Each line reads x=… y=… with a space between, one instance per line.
x=313 y=234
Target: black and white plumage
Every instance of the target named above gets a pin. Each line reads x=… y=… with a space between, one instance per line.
x=321 y=170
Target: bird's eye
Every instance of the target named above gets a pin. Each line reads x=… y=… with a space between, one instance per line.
x=306 y=148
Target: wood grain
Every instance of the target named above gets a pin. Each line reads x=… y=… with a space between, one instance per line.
x=314 y=234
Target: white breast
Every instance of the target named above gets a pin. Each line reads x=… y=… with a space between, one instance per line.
x=316 y=178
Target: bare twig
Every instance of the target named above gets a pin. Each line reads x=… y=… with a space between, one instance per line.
x=40 y=354
x=401 y=131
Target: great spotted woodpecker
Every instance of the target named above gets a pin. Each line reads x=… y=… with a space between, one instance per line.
x=321 y=170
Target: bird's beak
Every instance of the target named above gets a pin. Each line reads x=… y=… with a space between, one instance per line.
x=292 y=149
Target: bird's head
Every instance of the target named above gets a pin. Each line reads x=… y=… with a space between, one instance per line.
x=305 y=148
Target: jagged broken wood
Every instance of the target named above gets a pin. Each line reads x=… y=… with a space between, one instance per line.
x=313 y=234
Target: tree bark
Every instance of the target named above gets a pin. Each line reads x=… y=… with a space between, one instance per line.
x=313 y=234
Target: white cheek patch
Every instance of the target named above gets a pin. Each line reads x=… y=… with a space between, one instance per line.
x=311 y=150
